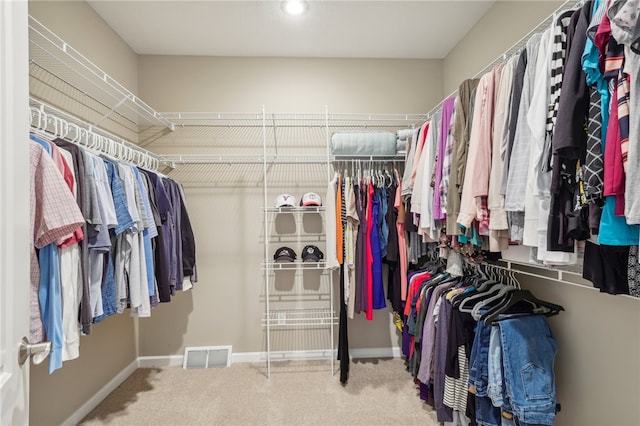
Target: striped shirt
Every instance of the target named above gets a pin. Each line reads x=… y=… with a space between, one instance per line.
x=558 y=56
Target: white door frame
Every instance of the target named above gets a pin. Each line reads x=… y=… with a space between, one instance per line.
x=14 y=209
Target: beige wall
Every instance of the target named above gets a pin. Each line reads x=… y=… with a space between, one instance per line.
x=112 y=344
x=599 y=347
x=225 y=201
x=76 y=23
x=105 y=353
x=289 y=84
x=501 y=27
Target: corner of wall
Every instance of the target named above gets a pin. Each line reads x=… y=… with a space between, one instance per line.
x=496 y=31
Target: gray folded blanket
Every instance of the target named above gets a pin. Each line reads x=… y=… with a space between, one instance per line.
x=363 y=143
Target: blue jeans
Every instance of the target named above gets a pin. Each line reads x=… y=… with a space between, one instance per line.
x=495 y=388
x=479 y=360
x=486 y=413
x=528 y=352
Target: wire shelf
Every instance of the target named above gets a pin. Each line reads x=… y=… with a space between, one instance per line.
x=272 y=120
x=299 y=318
x=298 y=264
x=308 y=209
x=51 y=58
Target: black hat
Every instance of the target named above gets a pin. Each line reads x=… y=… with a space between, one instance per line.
x=312 y=254
x=284 y=254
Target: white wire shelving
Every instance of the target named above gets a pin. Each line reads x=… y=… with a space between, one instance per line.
x=293 y=266
x=56 y=64
x=302 y=209
x=357 y=120
x=301 y=318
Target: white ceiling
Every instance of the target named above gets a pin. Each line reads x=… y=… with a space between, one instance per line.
x=329 y=29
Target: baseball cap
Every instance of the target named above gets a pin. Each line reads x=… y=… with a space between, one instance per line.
x=285 y=200
x=312 y=254
x=284 y=254
x=311 y=199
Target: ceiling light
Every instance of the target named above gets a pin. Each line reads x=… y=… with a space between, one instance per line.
x=294 y=7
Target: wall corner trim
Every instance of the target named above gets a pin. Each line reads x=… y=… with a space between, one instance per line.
x=99 y=396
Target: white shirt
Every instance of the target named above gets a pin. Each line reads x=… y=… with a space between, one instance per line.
x=330 y=224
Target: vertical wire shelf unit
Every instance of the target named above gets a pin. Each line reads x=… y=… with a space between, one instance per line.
x=306 y=317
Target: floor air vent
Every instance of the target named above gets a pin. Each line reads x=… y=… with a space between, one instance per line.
x=207 y=357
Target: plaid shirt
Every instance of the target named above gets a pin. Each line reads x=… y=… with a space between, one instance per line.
x=54 y=214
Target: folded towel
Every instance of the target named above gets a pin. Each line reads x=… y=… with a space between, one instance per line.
x=403 y=134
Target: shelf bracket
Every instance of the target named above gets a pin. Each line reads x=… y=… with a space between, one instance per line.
x=112 y=110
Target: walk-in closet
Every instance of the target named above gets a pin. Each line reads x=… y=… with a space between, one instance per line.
x=319 y=212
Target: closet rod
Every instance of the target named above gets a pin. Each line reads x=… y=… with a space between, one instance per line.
x=546 y=273
x=567 y=5
x=52 y=122
x=369 y=158
x=273 y=159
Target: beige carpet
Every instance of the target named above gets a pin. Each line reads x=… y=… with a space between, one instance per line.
x=379 y=392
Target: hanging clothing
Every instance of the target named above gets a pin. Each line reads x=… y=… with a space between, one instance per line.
x=423 y=205
x=445 y=126
x=54 y=214
x=402 y=240
x=624 y=18
x=83 y=191
x=330 y=224
x=570 y=138
x=378 y=297
x=483 y=114
x=498 y=226
x=369 y=252
x=460 y=132
x=361 y=296
x=351 y=237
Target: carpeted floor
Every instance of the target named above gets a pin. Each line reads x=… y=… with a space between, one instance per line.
x=379 y=392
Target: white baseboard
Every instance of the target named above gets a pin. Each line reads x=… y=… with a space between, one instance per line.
x=160 y=361
x=99 y=396
x=240 y=357
x=362 y=353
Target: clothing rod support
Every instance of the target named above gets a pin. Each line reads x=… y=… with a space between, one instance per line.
x=50 y=121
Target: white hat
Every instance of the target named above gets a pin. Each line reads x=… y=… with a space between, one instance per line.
x=311 y=199
x=285 y=200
